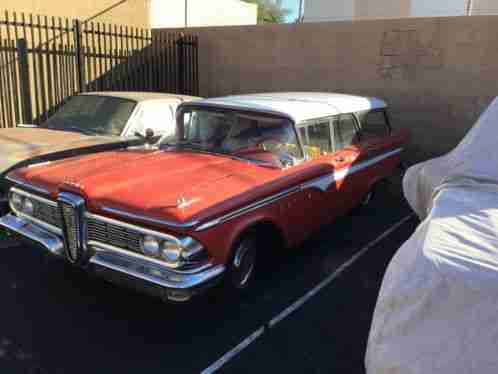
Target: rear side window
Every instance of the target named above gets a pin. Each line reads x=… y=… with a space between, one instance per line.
x=316 y=138
x=346 y=132
x=375 y=125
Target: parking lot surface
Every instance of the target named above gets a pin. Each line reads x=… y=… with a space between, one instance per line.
x=56 y=319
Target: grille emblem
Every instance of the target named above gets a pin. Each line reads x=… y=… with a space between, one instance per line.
x=71 y=208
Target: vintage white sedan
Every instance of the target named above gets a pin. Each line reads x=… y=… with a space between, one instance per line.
x=88 y=123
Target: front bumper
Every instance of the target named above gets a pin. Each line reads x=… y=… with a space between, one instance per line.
x=124 y=268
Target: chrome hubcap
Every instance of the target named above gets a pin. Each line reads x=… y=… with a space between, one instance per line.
x=367 y=198
x=244 y=264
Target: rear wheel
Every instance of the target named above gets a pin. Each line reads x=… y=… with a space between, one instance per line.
x=242 y=266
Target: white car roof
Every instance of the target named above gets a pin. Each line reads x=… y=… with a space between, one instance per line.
x=142 y=96
x=300 y=106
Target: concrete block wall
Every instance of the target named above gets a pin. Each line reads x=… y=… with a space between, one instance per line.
x=437 y=74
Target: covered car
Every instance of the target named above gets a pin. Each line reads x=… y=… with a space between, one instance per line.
x=437 y=310
x=87 y=123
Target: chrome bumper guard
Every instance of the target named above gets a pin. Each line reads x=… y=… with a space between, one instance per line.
x=116 y=266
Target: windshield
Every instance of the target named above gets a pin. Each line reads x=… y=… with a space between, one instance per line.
x=92 y=115
x=257 y=137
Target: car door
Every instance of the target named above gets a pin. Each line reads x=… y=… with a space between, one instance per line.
x=380 y=148
x=322 y=191
x=345 y=161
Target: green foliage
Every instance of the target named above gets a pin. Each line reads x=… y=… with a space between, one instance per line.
x=269 y=11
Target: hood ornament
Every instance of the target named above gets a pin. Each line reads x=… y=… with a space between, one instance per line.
x=183 y=202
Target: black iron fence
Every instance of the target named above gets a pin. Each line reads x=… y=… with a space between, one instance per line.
x=45 y=60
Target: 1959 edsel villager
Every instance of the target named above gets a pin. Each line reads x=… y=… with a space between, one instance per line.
x=242 y=175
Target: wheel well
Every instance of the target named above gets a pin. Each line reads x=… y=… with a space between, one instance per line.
x=268 y=231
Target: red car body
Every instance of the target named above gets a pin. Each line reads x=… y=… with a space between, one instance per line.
x=216 y=199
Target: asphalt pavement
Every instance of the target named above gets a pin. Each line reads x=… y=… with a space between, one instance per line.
x=56 y=319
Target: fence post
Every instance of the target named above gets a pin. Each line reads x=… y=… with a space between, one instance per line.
x=80 y=58
x=181 y=65
x=24 y=84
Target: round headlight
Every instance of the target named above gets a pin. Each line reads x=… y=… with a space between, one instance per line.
x=150 y=246
x=171 y=252
x=28 y=207
x=17 y=202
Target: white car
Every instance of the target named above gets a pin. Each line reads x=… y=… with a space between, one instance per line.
x=88 y=123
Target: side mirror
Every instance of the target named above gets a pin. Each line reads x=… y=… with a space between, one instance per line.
x=148 y=137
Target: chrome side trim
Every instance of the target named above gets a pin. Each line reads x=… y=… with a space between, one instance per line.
x=248 y=208
x=27 y=185
x=46 y=226
x=322 y=183
x=48 y=240
x=129 y=226
x=140 y=217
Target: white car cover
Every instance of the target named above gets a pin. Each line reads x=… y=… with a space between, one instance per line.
x=437 y=310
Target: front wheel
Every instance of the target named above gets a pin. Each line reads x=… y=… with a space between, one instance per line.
x=242 y=265
x=367 y=199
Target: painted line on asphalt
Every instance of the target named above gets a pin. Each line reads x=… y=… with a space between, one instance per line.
x=300 y=302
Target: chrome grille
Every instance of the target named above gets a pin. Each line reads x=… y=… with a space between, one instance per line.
x=114 y=235
x=47 y=213
x=71 y=228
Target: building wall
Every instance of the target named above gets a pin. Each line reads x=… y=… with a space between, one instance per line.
x=482 y=7
x=431 y=8
x=328 y=10
x=381 y=9
x=171 y=13
x=131 y=12
x=437 y=74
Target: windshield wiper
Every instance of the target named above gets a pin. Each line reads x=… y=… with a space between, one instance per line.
x=183 y=143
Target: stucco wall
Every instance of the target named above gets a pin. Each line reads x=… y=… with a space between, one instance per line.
x=328 y=10
x=431 y=8
x=130 y=13
x=438 y=74
x=481 y=7
x=171 y=13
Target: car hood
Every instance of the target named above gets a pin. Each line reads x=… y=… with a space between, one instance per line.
x=175 y=186
x=19 y=145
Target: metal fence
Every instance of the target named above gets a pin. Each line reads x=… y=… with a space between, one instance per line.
x=45 y=60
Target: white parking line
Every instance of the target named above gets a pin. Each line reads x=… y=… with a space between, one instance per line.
x=300 y=302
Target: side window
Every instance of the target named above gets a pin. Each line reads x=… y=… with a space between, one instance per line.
x=316 y=138
x=346 y=132
x=374 y=125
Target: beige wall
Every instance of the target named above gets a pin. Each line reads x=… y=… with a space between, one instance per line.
x=171 y=13
x=438 y=74
x=381 y=8
x=131 y=13
x=481 y=7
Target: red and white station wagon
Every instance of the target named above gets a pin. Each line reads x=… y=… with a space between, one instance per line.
x=243 y=175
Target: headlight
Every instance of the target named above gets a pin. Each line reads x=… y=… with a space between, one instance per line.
x=16 y=202
x=28 y=207
x=171 y=252
x=174 y=252
x=150 y=246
